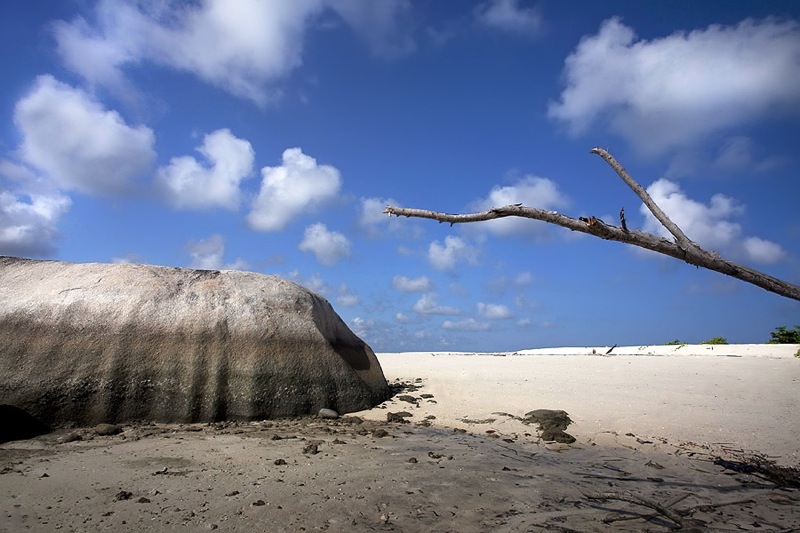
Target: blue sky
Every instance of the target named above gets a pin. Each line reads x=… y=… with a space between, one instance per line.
x=269 y=136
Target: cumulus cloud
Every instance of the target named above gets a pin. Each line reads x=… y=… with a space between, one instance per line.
x=428 y=304
x=709 y=225
x=405 y=284
x=509 y=16
x=468 y=324
x=241 y=46
x=762 y=251
x=453 y=252
x=77 y=143
x=531 y=191
x=372 y=216
x=677 y=90
x=373 y=222
x=372 y=212
x=738 y=154
x=345 y=297
x=209 y=254
x=244 y=47
x=29 y=223
x=403 y=318
x=314 y=282
x=190 y=184
x=385 y=26
x=362 y=327
x=328 y=246
x=299 y=184
x=493 y=311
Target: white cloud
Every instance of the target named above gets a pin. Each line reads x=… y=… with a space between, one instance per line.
x=405 y=284
x=677 y=90
x=296 y=186
x=189 y=184
x=468 y=324
x=508 y=16
x=328 y=246
x=738 y=154
x=403 y=318
x=29 y=228
x=708 y=225
x=314 y=283
x=208 y=254
x=362 y=327
x=79 y=144
x=493 y=311
x=372 y=212
x=22 y=174
x=762 y=251
x=453 y=252
x=531 y=191
x=241 y=46
x=385 y=26
x=245 y=47
x=345 y=297
x=523 y=278
x=372 y=220
x=428 y=304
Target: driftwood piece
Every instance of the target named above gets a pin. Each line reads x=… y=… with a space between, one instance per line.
x=681 y=247
x=662 y=510
x=681 y=518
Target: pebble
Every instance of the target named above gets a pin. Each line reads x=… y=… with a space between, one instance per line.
x=407 y=398
x=107 y=429
x=123 y=495
x=328 y=413
x=398 y=417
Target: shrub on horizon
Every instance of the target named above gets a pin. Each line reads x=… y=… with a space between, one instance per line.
x=782 y=335
x=716 y=340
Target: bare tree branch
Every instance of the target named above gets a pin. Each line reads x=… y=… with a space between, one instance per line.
x=682 y=240
x=682 y=248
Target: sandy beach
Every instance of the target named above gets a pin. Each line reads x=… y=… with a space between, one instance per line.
x=693 y=437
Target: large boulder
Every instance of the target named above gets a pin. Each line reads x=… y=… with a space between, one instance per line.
x=90 y=343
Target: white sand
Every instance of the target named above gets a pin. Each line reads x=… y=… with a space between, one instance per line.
x=745 y=396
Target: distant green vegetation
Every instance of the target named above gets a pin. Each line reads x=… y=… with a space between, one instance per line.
x=680 y=344
x=781 y=335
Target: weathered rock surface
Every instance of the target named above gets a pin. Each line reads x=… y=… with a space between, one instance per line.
x=101 y=343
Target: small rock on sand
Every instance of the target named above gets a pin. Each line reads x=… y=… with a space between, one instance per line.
x=105 y=430
x=328 y=413
x=398 y=417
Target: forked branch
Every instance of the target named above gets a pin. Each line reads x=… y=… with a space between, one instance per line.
x=680 y=248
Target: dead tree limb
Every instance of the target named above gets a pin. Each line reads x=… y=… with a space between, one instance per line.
x=662 y=510
x=681 y=247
